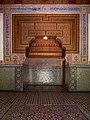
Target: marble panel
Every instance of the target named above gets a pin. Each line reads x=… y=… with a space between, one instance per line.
x=43 y=75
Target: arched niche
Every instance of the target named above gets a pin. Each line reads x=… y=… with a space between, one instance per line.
x=45 y=48
x=44 y=61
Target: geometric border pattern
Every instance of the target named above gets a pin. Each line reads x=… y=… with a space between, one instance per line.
x=72 y=82
x=7 y=35
x=84 y=32
x=18 y=79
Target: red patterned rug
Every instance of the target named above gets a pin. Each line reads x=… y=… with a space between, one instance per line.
x=44 y=112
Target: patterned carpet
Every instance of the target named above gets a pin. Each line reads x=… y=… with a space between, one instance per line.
x=44 y=112
x=45 y=105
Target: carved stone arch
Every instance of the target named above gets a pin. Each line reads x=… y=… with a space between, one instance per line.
x=50 y=48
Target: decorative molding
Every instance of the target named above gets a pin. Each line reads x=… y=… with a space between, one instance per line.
x=7 y=34
x=46 y=8
x=84 y=9
x=72 y=83
x=65 y=9
x=84 y=34
x=18 y=79
x=7 y=59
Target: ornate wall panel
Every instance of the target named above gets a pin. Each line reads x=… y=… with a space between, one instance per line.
x=53 y=9
x=64 y=26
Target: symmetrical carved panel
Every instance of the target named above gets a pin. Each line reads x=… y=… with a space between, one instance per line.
x=65 y=26
x=50 y=47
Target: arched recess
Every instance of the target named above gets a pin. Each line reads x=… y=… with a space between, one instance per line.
x=45 y=61
x=45 y=48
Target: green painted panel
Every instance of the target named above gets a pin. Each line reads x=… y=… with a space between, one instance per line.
x=7 y=78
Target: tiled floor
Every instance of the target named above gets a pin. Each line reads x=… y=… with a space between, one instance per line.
x=8 y=100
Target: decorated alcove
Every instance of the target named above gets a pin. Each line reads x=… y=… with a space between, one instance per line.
x=45 y=61
x=20 y=22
